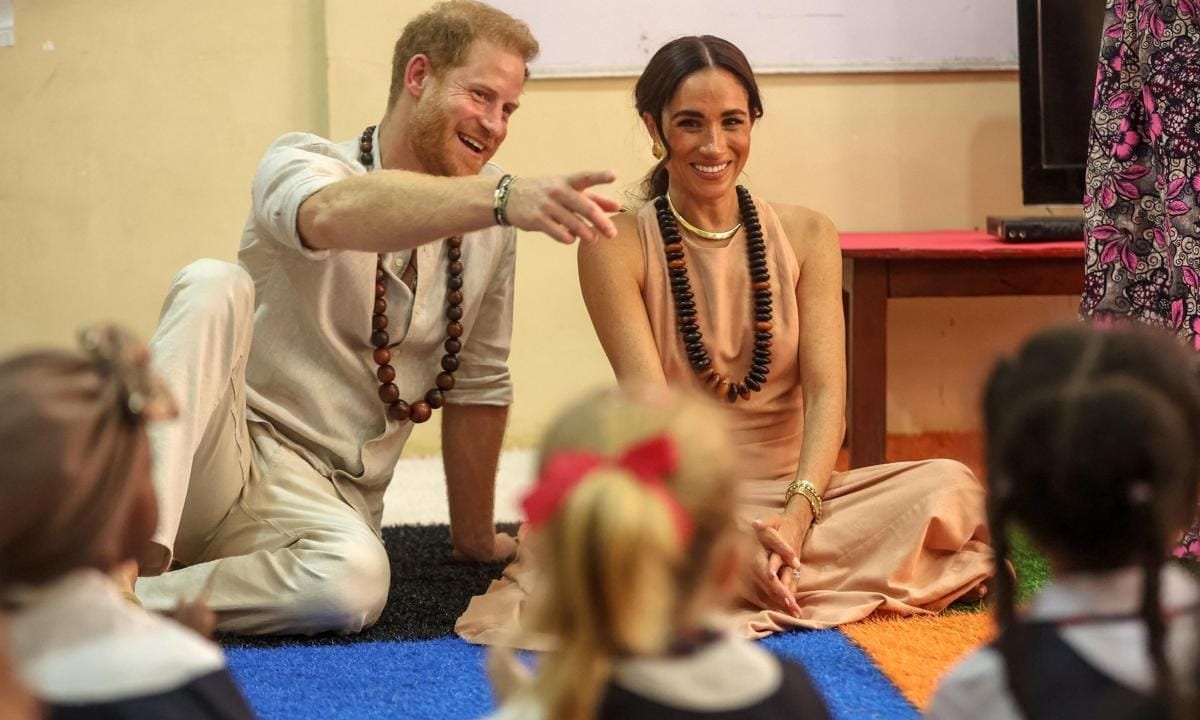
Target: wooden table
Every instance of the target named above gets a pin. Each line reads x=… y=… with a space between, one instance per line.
x=880 y=266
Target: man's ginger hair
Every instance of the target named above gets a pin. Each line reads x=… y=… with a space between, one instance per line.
x=445 y=32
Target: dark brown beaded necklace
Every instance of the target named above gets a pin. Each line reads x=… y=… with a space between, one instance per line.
x=419 y=411
x=685 y=306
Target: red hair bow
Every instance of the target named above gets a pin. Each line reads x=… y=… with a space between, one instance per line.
x=649 y=461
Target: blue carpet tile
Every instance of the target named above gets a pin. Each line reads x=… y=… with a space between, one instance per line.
x=852 y=684
x=431 y=679
x=444 y=678
x=410 y=665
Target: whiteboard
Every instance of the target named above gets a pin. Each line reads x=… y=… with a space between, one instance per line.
x=6 y=23
x=594 y=38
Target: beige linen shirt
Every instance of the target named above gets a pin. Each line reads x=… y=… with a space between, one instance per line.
x=310 y=377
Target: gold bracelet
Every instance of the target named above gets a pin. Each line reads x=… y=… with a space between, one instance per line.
x=809 y=492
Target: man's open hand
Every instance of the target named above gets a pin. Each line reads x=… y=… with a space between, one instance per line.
x=563 y=207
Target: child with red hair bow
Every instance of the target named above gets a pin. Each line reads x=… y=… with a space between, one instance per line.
x=632 y=524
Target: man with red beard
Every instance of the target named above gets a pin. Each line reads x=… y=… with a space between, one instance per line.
x=375 y=287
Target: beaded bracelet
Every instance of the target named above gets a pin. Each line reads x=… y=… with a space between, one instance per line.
x=809 y=492
x=500 y=200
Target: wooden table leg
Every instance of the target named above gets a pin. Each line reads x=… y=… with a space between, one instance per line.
x=867 y=380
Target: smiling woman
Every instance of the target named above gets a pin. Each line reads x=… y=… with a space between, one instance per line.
x=711 y=288
x=699 y=108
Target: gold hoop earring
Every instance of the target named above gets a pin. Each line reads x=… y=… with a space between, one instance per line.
x=657 y=150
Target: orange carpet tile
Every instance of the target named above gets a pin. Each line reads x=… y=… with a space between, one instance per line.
x=915 y=652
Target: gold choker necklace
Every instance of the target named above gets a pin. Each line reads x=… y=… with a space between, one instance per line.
x=706 y=234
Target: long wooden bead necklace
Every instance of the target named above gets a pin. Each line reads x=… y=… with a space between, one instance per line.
x=420 y=410
x=685 y=306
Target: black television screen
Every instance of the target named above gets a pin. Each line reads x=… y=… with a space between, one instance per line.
x=1059 y=47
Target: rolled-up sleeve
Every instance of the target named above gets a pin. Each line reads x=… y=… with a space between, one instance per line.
x=483 y=377
x=293 y=168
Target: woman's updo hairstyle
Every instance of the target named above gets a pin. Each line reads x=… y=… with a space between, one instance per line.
x=666 y=71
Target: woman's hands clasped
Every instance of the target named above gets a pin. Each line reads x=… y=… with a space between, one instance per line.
x=780 y=537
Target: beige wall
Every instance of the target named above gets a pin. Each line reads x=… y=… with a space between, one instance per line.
x=128 y=150
x=129 y=130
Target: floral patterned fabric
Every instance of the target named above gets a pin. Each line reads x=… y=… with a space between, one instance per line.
x=1142 y=203
x=1189 y=545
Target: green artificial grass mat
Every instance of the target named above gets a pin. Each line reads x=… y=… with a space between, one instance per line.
x=1033 y=570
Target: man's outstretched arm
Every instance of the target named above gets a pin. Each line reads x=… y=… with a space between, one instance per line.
x=395 y=210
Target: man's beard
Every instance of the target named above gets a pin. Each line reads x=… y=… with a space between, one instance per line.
x=429 y=128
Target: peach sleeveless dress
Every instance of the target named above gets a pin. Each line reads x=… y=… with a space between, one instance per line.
x=902 y=539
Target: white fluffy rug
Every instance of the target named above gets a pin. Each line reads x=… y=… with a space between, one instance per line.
x=417 y=495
